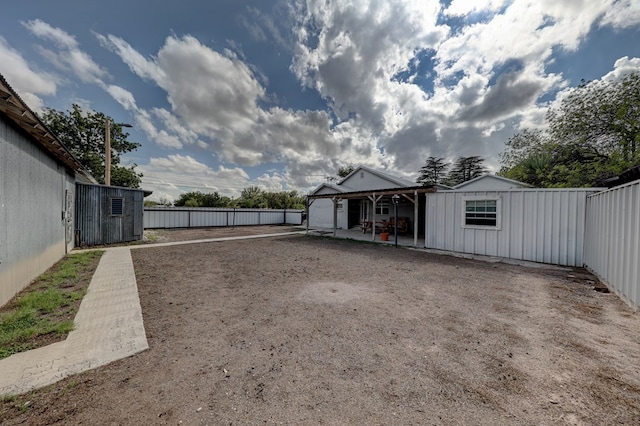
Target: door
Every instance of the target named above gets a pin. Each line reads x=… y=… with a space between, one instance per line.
x=354 y=212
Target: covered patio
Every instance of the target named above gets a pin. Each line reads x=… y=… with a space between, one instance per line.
x=399 y=203
x=356 y=234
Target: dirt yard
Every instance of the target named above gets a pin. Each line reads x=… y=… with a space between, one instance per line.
x=307 y=330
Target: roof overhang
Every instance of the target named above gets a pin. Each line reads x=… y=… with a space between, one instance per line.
x=377 y=192
x=17 y=111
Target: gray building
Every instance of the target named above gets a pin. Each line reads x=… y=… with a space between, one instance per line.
x=38 y=178
x=108 y=214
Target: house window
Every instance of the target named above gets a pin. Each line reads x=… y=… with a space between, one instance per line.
x=382 y=208
x=482 y=213
x=117 y=206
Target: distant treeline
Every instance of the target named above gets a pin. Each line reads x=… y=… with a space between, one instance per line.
x=251 y=197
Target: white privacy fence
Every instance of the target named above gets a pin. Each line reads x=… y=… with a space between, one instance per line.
x=612 y=240
x=194 y=217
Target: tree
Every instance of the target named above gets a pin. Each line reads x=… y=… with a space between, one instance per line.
x=466 y=168
x=603 y=117
x=593 y=134
x=84 y=135
x=284 y=200
x=433 y=172
x=251 y=197
x=344 y=171
x=200 y=199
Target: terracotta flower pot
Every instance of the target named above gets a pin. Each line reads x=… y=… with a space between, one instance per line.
x=384 y=236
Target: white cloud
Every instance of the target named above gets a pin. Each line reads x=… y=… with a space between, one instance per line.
x=69 y=57
x=466 y=7
x=29 y=83
x=170 y=176
x=622 y=14
x=621 y=68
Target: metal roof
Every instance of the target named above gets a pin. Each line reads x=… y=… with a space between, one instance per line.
x=386 y=191
x=17 y=111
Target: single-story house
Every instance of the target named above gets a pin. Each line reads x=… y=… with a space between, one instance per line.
x=489 y=215
x=367 y=197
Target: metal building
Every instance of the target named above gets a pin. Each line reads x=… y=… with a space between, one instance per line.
x=108 y=214
x=37 y=191
x=539 y=225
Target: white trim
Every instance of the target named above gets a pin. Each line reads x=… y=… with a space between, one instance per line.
x=495 y=198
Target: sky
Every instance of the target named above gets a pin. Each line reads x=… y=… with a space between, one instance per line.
x=279 y=94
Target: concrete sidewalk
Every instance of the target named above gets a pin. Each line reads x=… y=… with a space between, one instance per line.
x=107 y=327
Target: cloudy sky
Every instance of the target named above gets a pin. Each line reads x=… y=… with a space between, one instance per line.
x=227 y=94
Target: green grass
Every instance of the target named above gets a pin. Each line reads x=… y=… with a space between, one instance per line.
x=47 y=307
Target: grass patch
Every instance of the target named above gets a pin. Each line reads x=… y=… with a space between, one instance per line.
x=43 y=312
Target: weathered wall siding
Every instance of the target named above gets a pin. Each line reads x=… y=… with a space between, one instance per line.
x=612 y=245
x=32 y=199
x=540 y=225
x=193 y=217
x=95 y=224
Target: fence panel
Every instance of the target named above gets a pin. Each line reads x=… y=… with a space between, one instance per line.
x=612 y=240
x=195 y=217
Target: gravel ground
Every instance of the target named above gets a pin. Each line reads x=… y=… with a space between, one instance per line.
x=308 y=330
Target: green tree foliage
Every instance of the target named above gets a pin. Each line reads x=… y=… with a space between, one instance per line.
x=344 y=171
x=250 y=197
x=433 y=172
x=84 y=135
x=200 y=199
x=284 y=200
x=464 y=169
x=593 y=134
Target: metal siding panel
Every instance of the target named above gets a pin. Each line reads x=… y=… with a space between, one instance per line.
x=449 y=222
x=634 y=254
x=612 y=246
x=530 y=229
x=430 y=220
x=512 y=228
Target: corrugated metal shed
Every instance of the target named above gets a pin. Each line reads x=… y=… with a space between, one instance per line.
x=539 y=225
x=108 y=214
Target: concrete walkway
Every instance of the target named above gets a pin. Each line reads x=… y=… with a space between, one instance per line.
x=107 y=327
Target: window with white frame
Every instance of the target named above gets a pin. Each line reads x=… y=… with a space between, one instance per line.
x=482 y=212
x=382 y=208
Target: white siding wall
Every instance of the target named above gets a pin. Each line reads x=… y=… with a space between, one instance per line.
x=612 y=246
x=363 y=180
x=321 y=214
x=540 y=225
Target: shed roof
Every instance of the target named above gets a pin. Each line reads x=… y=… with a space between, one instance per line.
x=19 y=112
